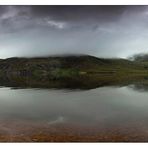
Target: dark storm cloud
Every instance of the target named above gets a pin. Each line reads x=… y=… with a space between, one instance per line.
x=103 y=31
x=10 y=16
x=79 y=13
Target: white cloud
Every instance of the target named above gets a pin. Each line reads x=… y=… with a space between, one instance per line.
x=56 y=24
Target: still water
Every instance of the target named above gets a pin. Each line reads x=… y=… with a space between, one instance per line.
x=104 y=106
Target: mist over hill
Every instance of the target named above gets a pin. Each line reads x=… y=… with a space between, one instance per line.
x=142 y=57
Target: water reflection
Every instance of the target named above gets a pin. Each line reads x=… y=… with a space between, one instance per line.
x=139 y=87
x=102 y=105
x=80 y=83
x=107 y=105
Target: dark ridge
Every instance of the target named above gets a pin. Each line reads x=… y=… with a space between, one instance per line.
x=69 y=71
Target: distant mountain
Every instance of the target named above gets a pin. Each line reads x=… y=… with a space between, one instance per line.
x=77 y=63
x=69 y=71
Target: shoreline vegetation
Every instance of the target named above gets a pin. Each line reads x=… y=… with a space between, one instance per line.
x=72 y=72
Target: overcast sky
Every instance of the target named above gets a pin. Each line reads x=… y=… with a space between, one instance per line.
x=103 y=31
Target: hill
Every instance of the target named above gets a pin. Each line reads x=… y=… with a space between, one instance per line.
x=68 y=71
